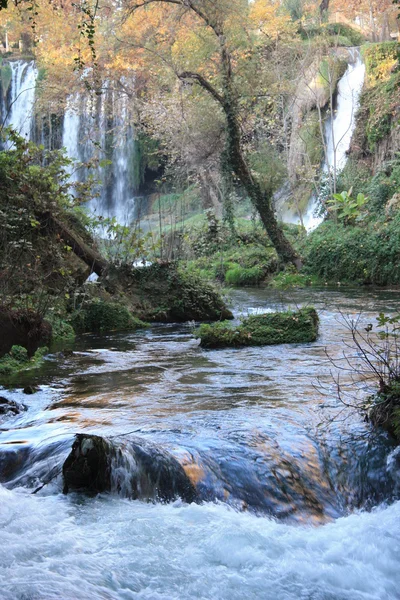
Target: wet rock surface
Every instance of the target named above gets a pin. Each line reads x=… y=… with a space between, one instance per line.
x=132 y=468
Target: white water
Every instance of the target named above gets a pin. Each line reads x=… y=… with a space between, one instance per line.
x=87 y=131
x=70 y=139
x=20 y=109
x=108 y=548
x=339 y=129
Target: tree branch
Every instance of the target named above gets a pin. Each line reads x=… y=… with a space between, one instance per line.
x=202 y=82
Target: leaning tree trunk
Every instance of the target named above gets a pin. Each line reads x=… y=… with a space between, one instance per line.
x=323 y=7
x=262 y=201
x=92 y=258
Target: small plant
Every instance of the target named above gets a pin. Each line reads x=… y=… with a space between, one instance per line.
x=347 y=208
x=372 y=359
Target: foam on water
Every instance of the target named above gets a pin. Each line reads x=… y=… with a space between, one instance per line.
x=58 y=547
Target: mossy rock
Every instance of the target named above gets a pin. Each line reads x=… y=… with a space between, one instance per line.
x=17 y=360
x=289 y=327
x=163 y=292
x=100 y=317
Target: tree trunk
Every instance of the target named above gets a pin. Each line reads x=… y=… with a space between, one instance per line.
x=261 y=201
x=92 y=258
x=259 y=198
x=323 y=7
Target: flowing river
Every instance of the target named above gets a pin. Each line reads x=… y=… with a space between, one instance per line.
x=297 y=500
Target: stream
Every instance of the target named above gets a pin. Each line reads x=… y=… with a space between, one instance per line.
x=298 y=499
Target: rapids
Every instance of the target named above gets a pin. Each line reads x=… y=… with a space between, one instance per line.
x=293 y=503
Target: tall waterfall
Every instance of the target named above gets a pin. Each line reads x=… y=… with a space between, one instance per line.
x=20 y=105
x=339 y=127
x=99 y=130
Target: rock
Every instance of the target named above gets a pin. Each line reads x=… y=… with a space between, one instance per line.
x=289 y=327
x=30 y=389
x=10 y=407
x=392 y=205
x=131 y=467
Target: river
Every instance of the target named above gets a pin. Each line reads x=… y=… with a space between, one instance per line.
x=298 y=500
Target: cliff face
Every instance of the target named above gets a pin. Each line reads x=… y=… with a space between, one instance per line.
x=312 y=96
x=377 y=135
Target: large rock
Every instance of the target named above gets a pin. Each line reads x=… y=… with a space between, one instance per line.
x=130 y=467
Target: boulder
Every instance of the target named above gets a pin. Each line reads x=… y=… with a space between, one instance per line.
x=130 y=467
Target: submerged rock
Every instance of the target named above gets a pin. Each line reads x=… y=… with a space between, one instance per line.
x=132 y=468
x=262 y=330
x=10 y=407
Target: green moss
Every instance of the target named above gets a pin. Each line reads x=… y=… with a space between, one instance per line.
x=5 y=76
x=262 y=330
x=379 y=102
x=17 y=360
x=99 y=316
x=338 y=34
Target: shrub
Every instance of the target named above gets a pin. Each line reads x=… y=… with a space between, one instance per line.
x=241 y=276
x=367 y=254
x=99 y=316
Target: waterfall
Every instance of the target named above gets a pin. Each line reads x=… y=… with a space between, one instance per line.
x=339 y=128
x=19 y=109
x=101 y=130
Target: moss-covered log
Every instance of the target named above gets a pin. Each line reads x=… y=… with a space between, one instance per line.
x=262 y=330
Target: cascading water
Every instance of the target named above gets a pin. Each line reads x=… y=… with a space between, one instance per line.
x=339 y=128
x=19 y=108
x=275 y=478
x=100 y=130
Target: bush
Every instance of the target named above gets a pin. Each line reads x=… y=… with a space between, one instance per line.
x=241 y=276
x=262 y=330
x=367 y=254
x=373 y=357
x=61 y=330
x=99 y=317
x=17 y=360
x=384 y=184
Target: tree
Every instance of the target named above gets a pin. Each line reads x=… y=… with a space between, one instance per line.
x=218 y=25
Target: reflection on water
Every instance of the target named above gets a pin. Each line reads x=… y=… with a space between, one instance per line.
x=248 y=425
